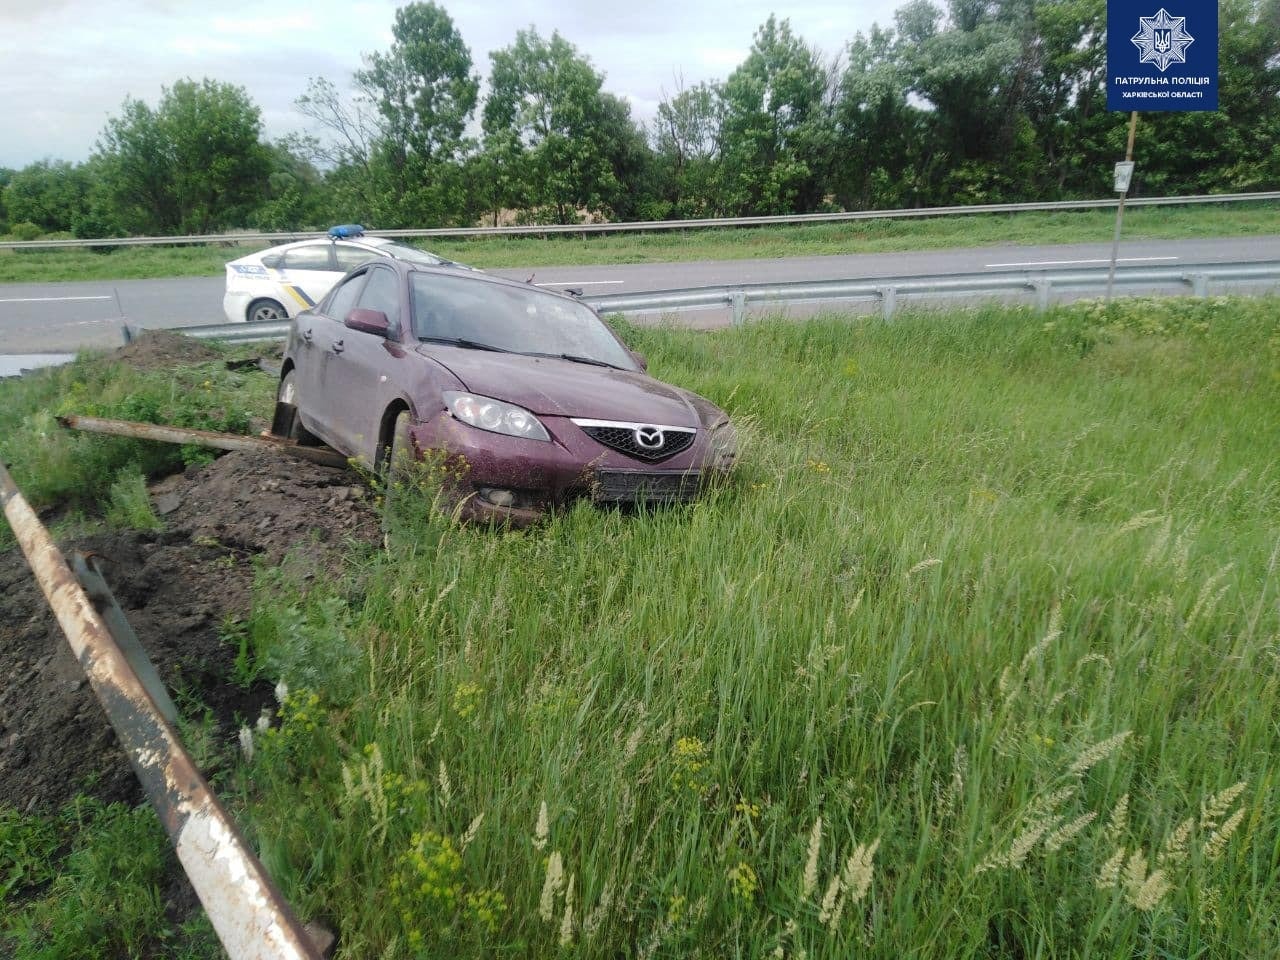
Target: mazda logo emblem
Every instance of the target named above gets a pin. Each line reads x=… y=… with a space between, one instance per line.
x=650 y=438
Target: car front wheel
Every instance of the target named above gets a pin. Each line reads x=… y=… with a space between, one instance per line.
x=265 y=311
x=287 y=423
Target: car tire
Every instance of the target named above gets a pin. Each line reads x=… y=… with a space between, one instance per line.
x=396 y=457
x=287 y=422
x=265 y=311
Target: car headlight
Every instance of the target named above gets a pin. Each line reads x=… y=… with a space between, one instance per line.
x=724 y=445
x=494 y=415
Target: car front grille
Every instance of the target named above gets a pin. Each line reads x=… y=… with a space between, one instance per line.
x=647 y=442
x=638 y=486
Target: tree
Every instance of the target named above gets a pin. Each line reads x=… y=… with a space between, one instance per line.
x=635 y=173
x=192 y=165
x=52 y=194
x=879 y=133
x=423 y=86
x=294 y=197
x=1066 y=94
x=1237 y=147
x=425 y=94
x=548 y=95
x=687 y=136
x=6 y=175
x=777 y=126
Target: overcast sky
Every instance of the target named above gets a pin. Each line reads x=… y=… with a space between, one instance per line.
x=67 y=65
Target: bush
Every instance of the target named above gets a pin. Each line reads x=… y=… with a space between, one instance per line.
x=26 y=230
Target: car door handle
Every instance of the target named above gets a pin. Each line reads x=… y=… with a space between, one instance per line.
x=337 y=346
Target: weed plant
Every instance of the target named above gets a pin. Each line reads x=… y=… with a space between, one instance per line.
x=977 y=655
x=129 y=505
x=861 y=236
x=89 y=883
x=52 y=465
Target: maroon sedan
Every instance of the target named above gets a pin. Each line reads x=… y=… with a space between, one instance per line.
x=528 y=391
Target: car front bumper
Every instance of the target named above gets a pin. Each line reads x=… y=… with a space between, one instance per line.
x=540 y=475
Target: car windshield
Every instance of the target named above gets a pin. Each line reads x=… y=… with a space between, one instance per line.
x=516 y=319
x=411 y=254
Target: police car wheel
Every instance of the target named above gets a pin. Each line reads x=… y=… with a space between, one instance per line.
x=265 y=311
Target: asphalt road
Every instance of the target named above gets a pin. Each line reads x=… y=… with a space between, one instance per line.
x=68 y=316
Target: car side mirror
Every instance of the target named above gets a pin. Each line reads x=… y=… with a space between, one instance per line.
x=272 y=260
x=640 y=360
x=368 y=321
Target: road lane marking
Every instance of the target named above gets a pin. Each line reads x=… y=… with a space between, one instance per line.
x=48 y=299
x=1069 y=263
x=577 y=283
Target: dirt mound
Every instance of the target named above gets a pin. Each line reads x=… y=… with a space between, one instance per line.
x=176 y=588
x=163 y=350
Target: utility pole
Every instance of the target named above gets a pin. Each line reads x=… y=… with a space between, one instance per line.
x=1124 y=172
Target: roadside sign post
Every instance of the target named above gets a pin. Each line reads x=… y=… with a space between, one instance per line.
x=1169 y=64
x=1124 y=173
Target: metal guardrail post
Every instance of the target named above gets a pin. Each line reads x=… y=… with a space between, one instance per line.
x=1043 y=287
x=251 y=918
x=888 y=301
x=1199 y=284
x=739 y=300
x=205 y=438
x=104 y=601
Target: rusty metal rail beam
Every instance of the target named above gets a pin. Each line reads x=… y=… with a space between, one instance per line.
x=250 y=916
x=205 y=438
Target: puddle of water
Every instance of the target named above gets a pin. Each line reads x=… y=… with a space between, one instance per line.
x=11 y=365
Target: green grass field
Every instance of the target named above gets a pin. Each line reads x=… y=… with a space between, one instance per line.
x=869 y=236
x=978 y=655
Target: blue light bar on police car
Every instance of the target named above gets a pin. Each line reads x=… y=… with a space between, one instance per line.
x=346 y=230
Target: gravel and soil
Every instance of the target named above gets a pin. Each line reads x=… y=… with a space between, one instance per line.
x=177 y=587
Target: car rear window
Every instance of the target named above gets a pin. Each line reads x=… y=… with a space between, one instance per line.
x=351 y=257
x=308 y=258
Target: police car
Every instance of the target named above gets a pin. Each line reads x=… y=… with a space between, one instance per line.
x=279 y=283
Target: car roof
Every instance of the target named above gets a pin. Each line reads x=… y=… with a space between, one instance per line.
x=445 y=270
x=372 y=243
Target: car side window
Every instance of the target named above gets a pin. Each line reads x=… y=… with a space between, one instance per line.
x=308 y=258
x=343 y=298
x=382 y=292
x=350 y=257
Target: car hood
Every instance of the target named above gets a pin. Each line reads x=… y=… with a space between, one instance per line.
x=561 y=388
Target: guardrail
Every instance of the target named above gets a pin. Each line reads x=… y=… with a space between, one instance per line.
x=1191 y=279
x=654 y=225
x=1194 y=278
x=250 y=916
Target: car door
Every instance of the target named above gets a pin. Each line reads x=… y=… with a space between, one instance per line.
x=320 y=336
x=361 y=379
x=308 y=273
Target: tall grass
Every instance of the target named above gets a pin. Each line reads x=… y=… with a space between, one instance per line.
x=52 y=465
x=977 y=655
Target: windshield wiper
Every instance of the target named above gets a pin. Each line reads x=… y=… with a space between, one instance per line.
x=465 y=344
x=578 y=358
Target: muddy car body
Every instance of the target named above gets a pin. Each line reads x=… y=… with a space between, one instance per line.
x=527 y=392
